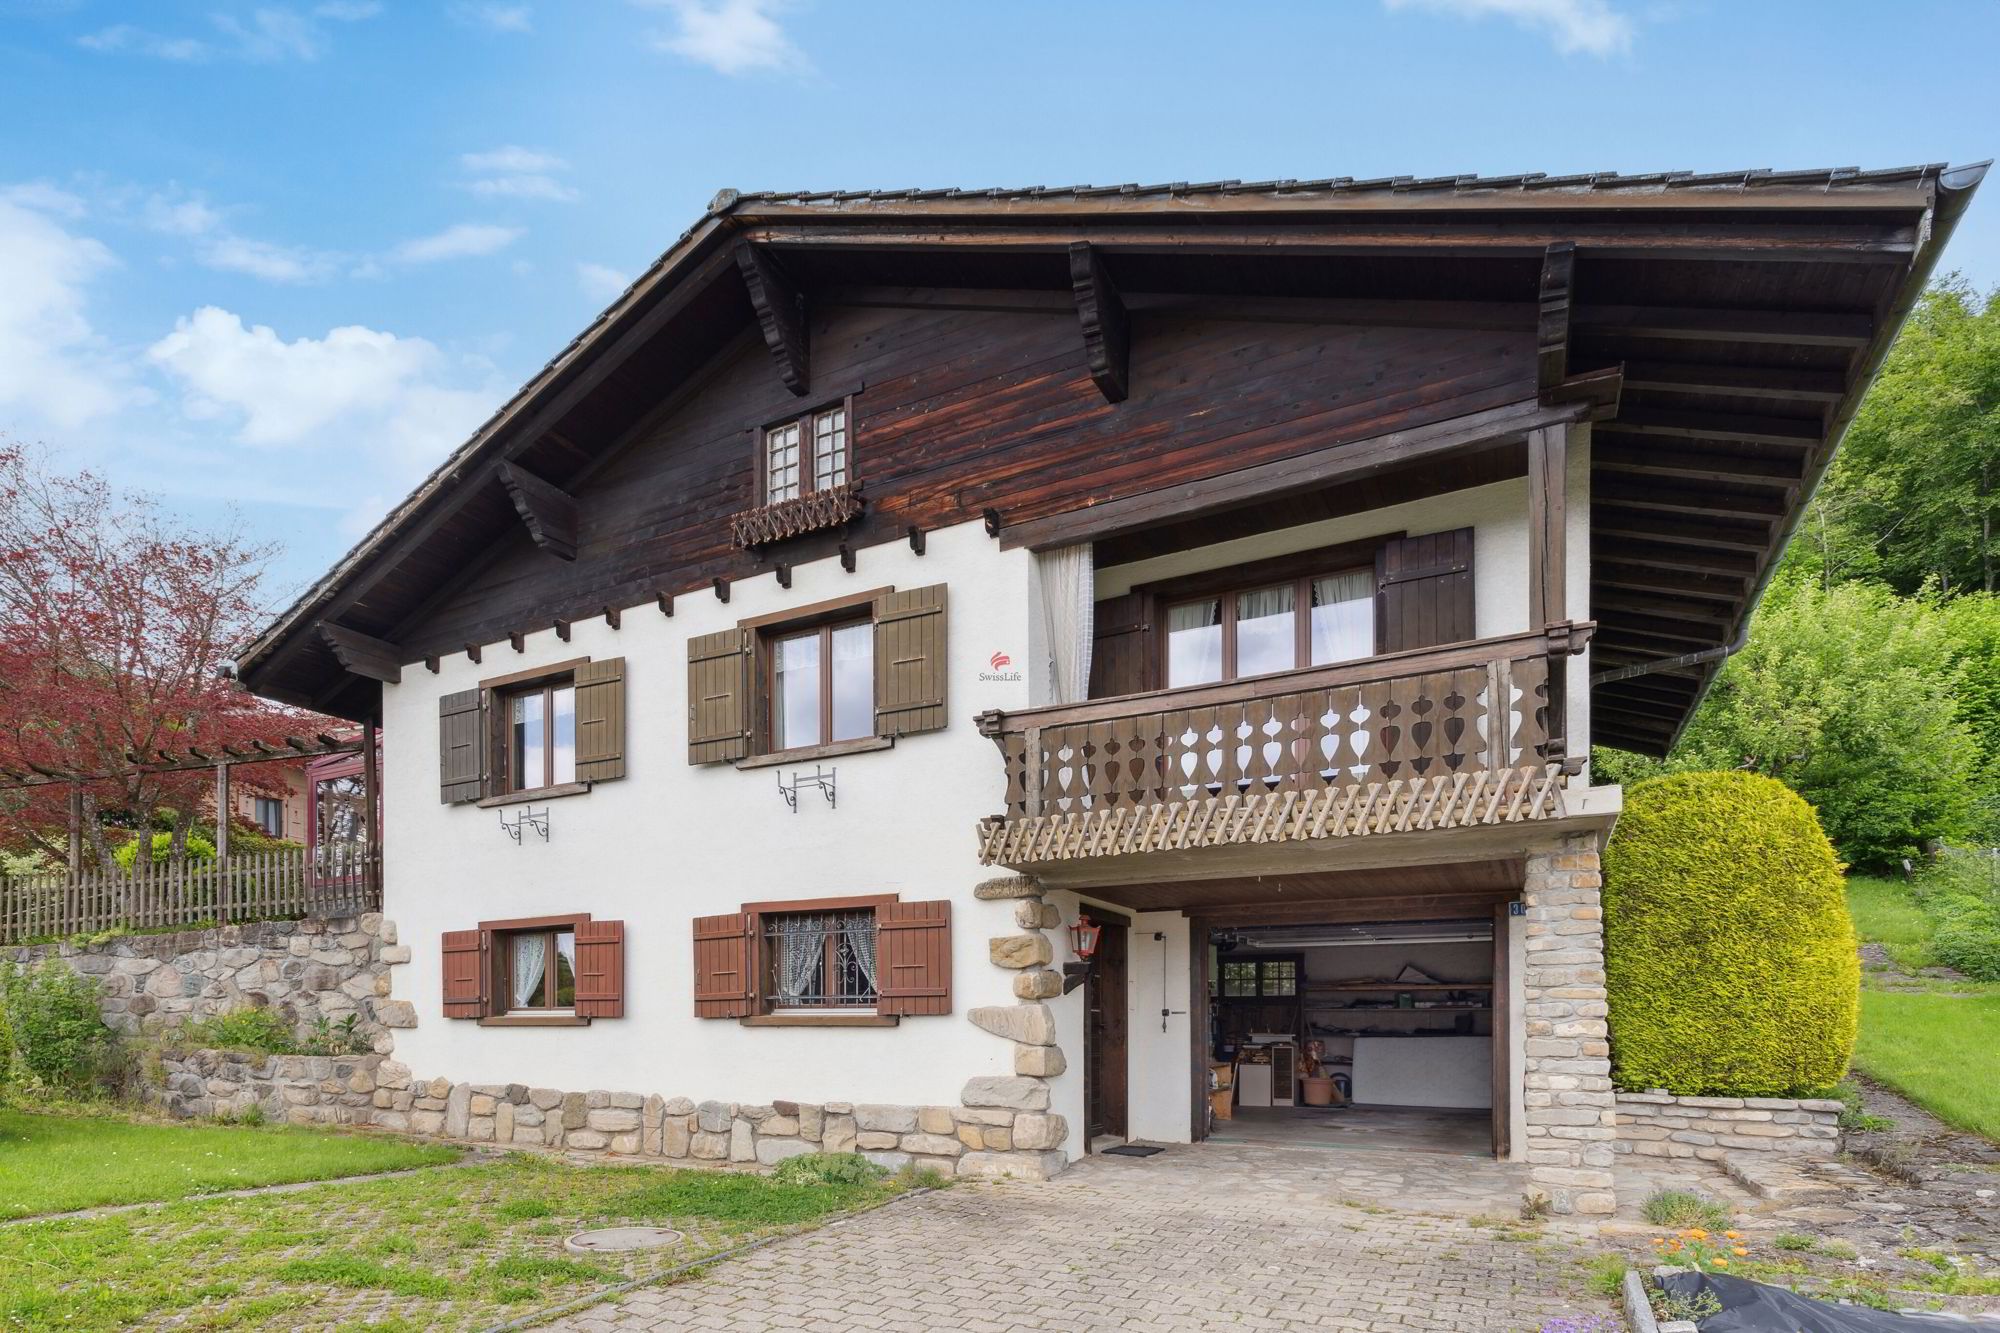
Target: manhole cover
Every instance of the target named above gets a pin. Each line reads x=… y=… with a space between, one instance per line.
x=620 y=1238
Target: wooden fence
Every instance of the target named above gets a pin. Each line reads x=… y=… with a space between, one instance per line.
x=254 y=886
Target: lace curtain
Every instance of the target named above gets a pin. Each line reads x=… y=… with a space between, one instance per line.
x=531 y=960
x=1067 y=587
x=860 y=937
x=800 y=953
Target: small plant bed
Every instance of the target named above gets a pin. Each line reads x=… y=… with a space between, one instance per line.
x=444 y=1248
x=61 y=1163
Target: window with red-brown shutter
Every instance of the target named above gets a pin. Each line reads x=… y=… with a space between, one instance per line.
x=600 y=969
x=858 y=961
x=549 y=971
x=725 y=974
x=465 y=973
x=913 y=958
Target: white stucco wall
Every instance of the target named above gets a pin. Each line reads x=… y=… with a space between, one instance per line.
x=672 y=841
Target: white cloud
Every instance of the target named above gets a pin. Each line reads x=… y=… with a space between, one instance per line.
x=513 y=172
x=467 y=240
x=124 y=37
x=44 y=198
x=397 y=392
x=601 y=283
x=500 y=18
x=347 y=11
x=178 y=216
x=731 y=36
x=272 y=35
x=262 y=259
x=1590 y=26
x=54 y=367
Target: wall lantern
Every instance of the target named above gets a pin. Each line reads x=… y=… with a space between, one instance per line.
x=1083 y=937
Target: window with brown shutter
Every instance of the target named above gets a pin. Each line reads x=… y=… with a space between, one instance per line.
x=864 y=961
x=719 y=696
x=600 y=720
x=1122 y=655
x=1424 y=591
x=910 y=661
x=548 y=971
x=462 y=746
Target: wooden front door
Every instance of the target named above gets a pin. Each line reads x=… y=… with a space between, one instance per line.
x=1105 y=1054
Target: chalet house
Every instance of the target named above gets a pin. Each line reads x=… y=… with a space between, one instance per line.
x=894 y=597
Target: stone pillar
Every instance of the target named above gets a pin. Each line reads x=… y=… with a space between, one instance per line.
x=1005 y=1123
x=1571 y=1113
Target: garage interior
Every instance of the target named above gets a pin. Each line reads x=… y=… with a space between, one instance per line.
x=1357 y=1035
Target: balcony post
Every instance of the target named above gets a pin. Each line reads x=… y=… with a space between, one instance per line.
x=1548 y=582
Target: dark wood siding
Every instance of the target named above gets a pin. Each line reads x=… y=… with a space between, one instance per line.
x=1423 y=591
x=913 y=958
x=956 y=411
x=600 y=720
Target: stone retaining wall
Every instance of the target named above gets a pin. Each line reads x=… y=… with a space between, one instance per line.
x=305 y=970
x=1660 y=1124
x=1004 y=1129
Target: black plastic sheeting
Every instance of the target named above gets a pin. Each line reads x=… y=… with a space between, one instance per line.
x=1752 y=1307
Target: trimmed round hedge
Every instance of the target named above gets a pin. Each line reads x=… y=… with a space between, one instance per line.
x=1730 y=959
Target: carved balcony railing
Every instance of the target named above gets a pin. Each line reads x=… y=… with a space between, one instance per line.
x=1436 y=738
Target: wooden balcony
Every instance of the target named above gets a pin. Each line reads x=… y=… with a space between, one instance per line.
x=1456 y=737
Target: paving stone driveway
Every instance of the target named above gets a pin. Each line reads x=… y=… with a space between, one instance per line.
x=1197 y=1238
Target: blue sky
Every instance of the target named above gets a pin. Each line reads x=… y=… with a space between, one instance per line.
x=281 y=257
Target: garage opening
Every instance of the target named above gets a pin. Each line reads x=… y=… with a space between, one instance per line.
x=1387 y=1035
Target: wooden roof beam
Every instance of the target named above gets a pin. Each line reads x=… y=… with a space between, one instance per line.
x=1606 y=573
x=1706 y=324
x=1795 y=431
x=1617 y=520
x=1553 y=318
x=1806 y=386
x=1645 y=493
x=1107 y=329
x=1614 y=602
x=361 y=654
x=1668 y=555
x=1614 y=453
x=550 y=512
x=781 y=314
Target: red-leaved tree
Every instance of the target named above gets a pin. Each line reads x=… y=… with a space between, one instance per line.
x=115 y=620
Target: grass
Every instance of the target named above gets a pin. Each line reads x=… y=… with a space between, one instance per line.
x=441 y=1248
x=1937 y=1050
x=1885 y=913
x=1679 y=1209
x=55 y=1164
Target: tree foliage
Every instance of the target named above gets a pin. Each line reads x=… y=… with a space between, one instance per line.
x=1730 y=964
x=1914 y=495
x=113 y=622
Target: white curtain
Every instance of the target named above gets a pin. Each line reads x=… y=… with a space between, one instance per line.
x=1068 y=587
x=801 y=950
x=531 y=960
x=860 y=934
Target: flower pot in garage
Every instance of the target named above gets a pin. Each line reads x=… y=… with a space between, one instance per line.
x=1318 y=1091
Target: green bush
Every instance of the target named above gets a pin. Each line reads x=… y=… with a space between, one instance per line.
x=1730 y=959
x=51 y=1034
x=258 y=1030
x=198 y=849
x=828 y=1168
x=1959 y=894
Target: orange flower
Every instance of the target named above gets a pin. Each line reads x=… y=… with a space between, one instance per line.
x=1738 y=1250
x=1698 y=1233
x=1733 y=1235
x=1721 y=1262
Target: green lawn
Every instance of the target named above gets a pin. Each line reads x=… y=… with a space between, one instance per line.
x=53 y=1163
x=1937 y=1044
x=1942 y=1051
x=444 y=1248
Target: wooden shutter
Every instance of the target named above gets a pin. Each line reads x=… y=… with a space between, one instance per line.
x=725 y=965
x=910 y=661
x=462 y=747
x=467 y=959
x=600 y=969
x=719 y=696
x=913 y=958
x=1423 y=591
x=1123 y=659
x=600 y=720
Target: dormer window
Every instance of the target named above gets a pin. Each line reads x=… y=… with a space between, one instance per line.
x=806 y=455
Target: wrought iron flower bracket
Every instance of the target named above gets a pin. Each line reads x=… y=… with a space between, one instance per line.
x=524 y=820
x=820 y=779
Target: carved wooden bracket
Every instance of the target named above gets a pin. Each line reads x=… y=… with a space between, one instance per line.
x=1552 y=320
x=550 y=513
x=1107 y=330
x=811 y=512
x=781 y=313
x=362 y=654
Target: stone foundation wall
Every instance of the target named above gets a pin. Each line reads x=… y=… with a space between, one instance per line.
x=1003 y=1130
x=1660 y=1124
x=1571 y=1115
x=304 y=970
